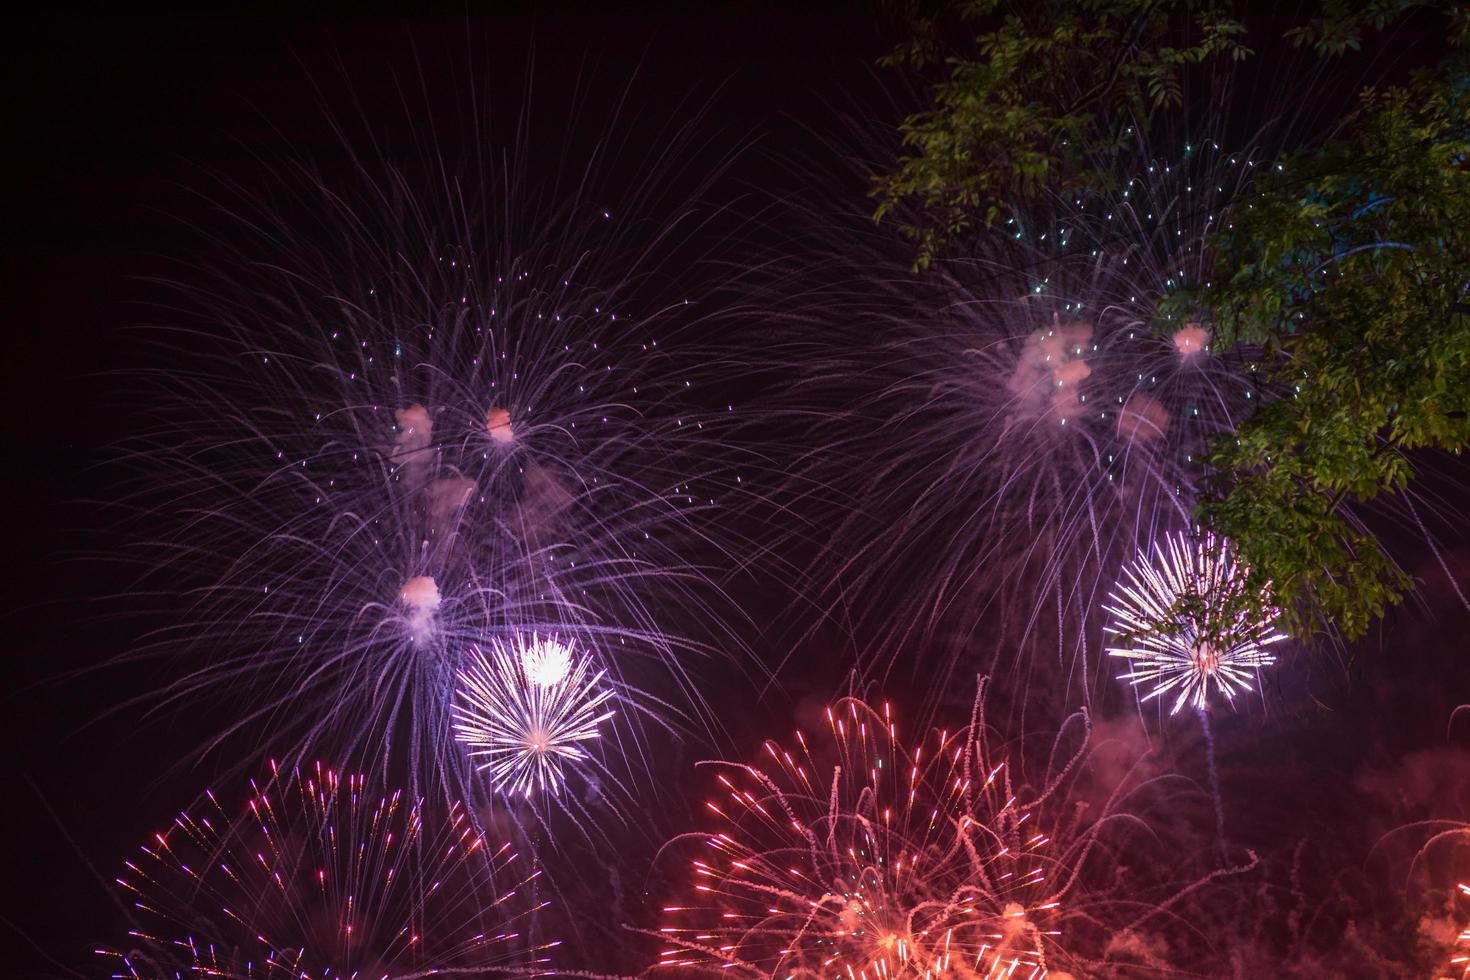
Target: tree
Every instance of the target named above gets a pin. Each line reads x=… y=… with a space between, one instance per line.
x=1024 y=117
x=1350 y=266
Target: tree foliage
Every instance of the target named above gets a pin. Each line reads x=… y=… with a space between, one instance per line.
x=1350 y=266
x=1023 y=117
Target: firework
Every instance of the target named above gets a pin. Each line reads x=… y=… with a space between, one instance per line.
x=1039 y=401
x=850 y=855
x=525 y=711
x=319 y=879
x=1460 y=961
x=1439 y=895
x=1030 y=405
x=1186 y=629
x=425 y=403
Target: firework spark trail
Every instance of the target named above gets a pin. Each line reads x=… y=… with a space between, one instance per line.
x=853 y=855
x=525 y=711
x=1030 y=405
x=1435 y=886
x=426 y=403
x=318 y=878
x=1184 y=623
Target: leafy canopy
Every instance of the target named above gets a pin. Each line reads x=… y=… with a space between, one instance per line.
x=1350 y=267
x=1024 y=117
x=1353 y=268
x=1028 y=113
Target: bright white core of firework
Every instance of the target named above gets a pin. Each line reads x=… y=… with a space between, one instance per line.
x=547 y=662
x=525 y=709
x=1173 y=612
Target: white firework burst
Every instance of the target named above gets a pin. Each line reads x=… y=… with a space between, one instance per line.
x=1184 y=627
x=526 y=709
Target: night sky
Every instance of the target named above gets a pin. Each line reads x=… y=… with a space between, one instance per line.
x=116 y=125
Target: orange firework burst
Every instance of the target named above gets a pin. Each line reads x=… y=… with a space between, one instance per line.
x=853 y=856
x=1460 y=961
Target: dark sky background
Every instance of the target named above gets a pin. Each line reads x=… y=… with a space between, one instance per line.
x=111 y=122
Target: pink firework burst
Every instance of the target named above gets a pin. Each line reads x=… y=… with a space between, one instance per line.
x=316 y=878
